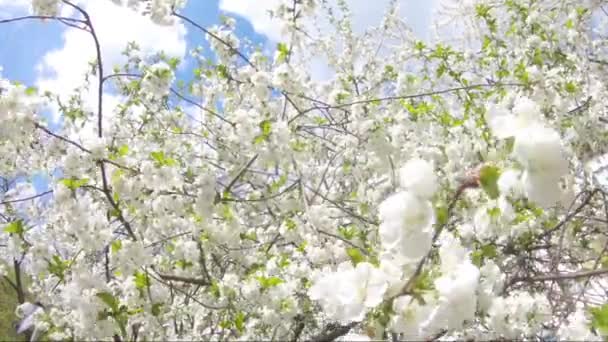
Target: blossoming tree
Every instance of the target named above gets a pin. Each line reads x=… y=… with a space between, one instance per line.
x=425 y=191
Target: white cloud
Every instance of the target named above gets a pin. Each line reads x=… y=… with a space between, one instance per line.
x=63 y=69
x=10 y=8
x=256 y=12
x=365 y=14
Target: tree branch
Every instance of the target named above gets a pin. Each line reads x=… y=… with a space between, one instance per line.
x=560 y=276
x=333 y=331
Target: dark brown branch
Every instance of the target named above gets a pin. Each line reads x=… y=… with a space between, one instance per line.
x=583 y=106
x=187 y=100
x=187 y=280
x=101 y=80
x=27 y=198
x=560 y=276
x=11 y=283
x=237 y=177
x=333 y=331
x=571 y=215
x=107 y=77
x=89 y=23
x=598 y=61
x=411 y=281
x=214 y=36
x=430 y=93
x=18 y=283
x=82 y=148
x=47 y=131
x=42 y=17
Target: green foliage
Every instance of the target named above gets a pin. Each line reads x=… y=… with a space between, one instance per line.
x=109 y=300
x=31 y=91
x=118 y=312
x=156 y=309
x=116 y=246
x=441 y=213
x=58 y=266
x=142 y=280
x=599 y=319
x=276 y=185
x=239 y=321
x=183 y=264
x=161 y=160
x=283 y=52
x=74 y=183
x=348 y=232
x=481 y=254
x=269 y=282
x=173 y=63
x=488 y=179
x=265 y=131
x=118 y=152
x=222 y=72
x=355 y=255
x=15 y=227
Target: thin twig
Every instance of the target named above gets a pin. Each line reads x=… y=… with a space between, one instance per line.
x=27 y=198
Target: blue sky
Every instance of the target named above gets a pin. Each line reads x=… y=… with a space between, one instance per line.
x=24 y=44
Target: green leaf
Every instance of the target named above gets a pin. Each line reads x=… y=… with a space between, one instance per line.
x=441 y=213
x=570 y=87
x=283 y=51
x=537 y=59
x=482 y=10
x=266 y=127
x=284 y=261
x=222 y=71
x=249 y=236
x=569 y=24
x=15 y=227
x=239 y=321
x=265 y=130
x=420 y=45
x=424 y=282
x=109 y=300
x=276 y=186
x=489 y=180
x=116 y=246
x=485 y=252
x=226 y=213
x=162 y=160
x=215 y=289
x=599 y=319
x=494 y=213
x=348 y=232
x=291 y=225
x=183 y=264
x=173 y=62
x=74 y=183
x=156 y=309
x=355 y=255
x=142 y=280
x=30 y=91
x=302 y=247
x=123 y=150
x=58 y=266
x=269 y=282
